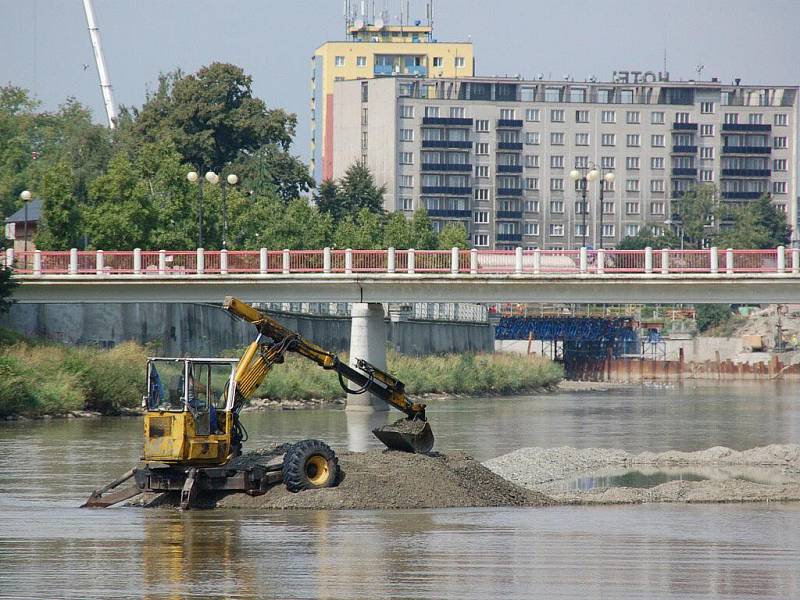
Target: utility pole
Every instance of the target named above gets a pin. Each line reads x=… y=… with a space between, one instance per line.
x=102 y=70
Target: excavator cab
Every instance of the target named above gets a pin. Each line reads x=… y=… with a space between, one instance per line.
x=189 y=415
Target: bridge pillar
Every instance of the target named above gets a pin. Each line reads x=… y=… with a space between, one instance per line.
x=367 y=341
x=10 y=258
x=664 y=261
x=473 y=261
x=326 y=259
x=37 y=262
x=99 y=262
x=648 y=260
x=73 y=261
x=781 y=259
x=714 y=259
x=795 y=260
x=391 y=260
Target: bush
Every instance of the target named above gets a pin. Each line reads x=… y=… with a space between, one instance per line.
x=712 y=315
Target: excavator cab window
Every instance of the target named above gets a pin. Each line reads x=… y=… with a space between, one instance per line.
x=206 y=387
x=165 y=390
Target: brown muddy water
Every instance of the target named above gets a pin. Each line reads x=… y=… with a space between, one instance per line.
x=51 y=549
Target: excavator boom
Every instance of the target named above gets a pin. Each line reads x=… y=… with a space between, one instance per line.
x=412 y=434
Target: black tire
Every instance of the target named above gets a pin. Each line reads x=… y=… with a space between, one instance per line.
x=310 y=465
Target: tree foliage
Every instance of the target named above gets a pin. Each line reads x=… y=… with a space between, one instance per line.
x=453 y=235
x=357 y=190
x=757 y=224
x=711 y=315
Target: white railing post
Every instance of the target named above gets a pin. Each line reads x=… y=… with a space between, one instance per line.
x=326 y=260
x=714 y=259
x=781 y=259
x=201 y=261
x=162 y=262
x=391 y=260
x=223 y=262
x=348 y=261
x=648 y=260
x=73 y=261
x=584 y=264
x=99 y=262
x=286 y=264
x=411 y=261
x=795 y=260
x=10 y=258
x=729 y=261
x=37 y=263
x=454 y=261
x=137 y=261
x=518 y=260
x=537 y=261
x=473 y=261
x=601 y=261
x=664 y=261
x=263 y=261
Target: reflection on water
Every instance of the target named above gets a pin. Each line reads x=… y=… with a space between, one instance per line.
x=49 y=548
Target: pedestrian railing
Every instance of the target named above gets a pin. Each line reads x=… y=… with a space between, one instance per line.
x=169 y=263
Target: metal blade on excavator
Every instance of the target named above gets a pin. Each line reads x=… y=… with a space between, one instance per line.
x=406 y=435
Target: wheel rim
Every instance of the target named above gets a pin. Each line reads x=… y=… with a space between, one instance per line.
x=317 y=470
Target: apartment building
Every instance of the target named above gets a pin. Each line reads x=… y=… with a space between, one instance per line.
x=374 y=49
x=496 y=153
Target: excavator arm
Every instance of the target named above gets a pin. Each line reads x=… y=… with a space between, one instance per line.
x=412 y=434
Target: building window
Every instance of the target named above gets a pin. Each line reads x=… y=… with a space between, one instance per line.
x=778 y=187
x=481 y=216
x=657 y=185
x=632 y=208
x=532 y=137
x=780 y=120
x=608 y=116
x=581 y=116
x=556 y=138
x=608 y=208
x=581 y=207
x=779 y=142
x=406 y=204
x=507 y=113
x=581 y=139
x=457 y=112
x=480 y=240
x=364 y=140
x=556 y=184
x=779 y=164
x=437 y=62
x=632 y=163
x=682 y=117
x=406 y=112
x=608 y=230
x=532 y=161
x=707 y=153
x=531 y=229
x=632 y=117
x=657 y=117
x=482 y=125
x=406 y=135
x=706 y=130
x=338 y=78
x=532 y=206
x=580 y=230
x=460 y=62
x=482 y=149
x=607 y=162
x=608 y=139
x=557 y=229
x=532 y=114
x=657 y=163
x=755 y=119
x=631 y=230
x=557 y=161
x=406 y=158
x=731 y=118
x=339 y=61
x=531 y=183
x=657 y=141
x=481 y=194
x=706 y=108
x=361 y=61
x=657 y=208
x=481 y=171
x=632 y=185
x=557 y=207
x=557 y=115
x=633 y=140
x=407 y=181
x=706 y=175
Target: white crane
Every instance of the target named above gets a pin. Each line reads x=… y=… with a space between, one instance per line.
x=102 y=70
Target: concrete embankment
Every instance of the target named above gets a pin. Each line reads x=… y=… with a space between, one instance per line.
x=582 y=476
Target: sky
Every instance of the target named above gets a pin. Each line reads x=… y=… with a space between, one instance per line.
x=45 y=46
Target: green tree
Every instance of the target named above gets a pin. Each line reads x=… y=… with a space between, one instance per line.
x=265 y=222
x=758 y=224
x=711 y=315
x=7 y=285
x=356 y=190
x=423 y=237
x=453 y=235
x=699 y=213
x=61 y=227
x=365 y=232
x=272 y=170
x=397 y=232
x=327 y=197
x=645 y=238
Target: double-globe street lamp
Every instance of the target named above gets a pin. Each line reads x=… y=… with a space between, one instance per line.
x=26 y=196
x=585 y=175
x=213 y=179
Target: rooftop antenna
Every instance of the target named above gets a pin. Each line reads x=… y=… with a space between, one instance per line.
x=699 y=69
x=102 y=70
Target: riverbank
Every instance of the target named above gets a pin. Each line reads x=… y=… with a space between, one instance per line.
x=39 y=380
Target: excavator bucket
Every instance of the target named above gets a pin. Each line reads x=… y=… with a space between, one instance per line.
x=406 y=435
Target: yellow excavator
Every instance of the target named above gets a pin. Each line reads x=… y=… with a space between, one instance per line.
x=193 y=434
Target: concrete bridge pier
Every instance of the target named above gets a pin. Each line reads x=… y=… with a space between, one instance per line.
x=367 y=341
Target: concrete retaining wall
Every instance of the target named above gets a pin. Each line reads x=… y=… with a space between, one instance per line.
x=205 y=330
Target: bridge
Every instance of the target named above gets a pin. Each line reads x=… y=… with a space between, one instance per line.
x=372 y=276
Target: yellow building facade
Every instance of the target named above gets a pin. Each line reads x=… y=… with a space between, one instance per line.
x=375 y=51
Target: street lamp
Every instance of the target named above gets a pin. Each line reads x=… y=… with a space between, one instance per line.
x=585 y=175
x=231 y=179
x=25 y=196
x=607 y=177
x=211 y=178
x=678 y=225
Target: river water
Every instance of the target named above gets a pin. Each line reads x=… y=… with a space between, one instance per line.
x=51 y=549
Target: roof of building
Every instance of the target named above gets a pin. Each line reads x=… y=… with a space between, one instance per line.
x=34 y=213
